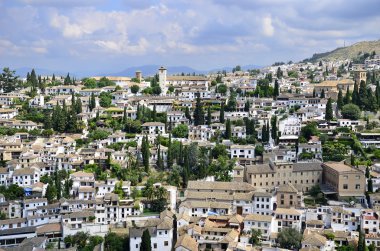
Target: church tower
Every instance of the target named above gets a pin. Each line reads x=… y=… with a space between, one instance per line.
x=162 y=79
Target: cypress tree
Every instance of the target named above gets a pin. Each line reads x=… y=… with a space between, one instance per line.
x=314 y=94
x=371 y=104
x=33 y=79
x=72 y=121
x=228 y=129
x=199 y=116
x=264 y=133
x=209 y=115
x=247 y=105
x=221 y=115
x=78 y=105
x=154 y=113
x=355 y=94
x=340 y=102
x=377 y=94
x=329 y=110
x=92 y=103
x=274 y=127
x=169 y=157
x=159 y=163
x=362 y=98
x=268 y=131
x=124 y=120
x=323 y=93
x=347 y=97
x=53 y=78
x=361 y=242
x=145 y=153
x=146 y=241
x=276 y=90
x=187 y=113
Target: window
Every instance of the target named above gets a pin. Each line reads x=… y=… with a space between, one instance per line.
x=166 y=243
x=357 y=186
x=345 y=186
x=154 y=245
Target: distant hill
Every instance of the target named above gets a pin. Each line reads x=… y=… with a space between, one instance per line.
x=348 y=52
x=150 y=70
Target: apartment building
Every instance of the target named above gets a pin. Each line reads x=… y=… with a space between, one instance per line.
x=344 y=180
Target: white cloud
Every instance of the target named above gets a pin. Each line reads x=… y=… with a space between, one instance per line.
x=268 y=29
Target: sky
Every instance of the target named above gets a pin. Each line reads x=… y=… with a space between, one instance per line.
x=111 y=35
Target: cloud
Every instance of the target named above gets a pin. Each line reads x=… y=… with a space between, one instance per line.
x=268 y=29
x=201 y=33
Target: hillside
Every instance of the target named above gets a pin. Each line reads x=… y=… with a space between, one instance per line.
x=348 y=52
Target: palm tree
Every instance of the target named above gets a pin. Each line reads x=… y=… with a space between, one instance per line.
x=149 y=192
x=161 y=193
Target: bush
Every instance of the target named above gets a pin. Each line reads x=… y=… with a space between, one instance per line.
x=351 y=111
x=181 y=131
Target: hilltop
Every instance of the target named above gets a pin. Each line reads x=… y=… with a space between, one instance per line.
x=349 y=52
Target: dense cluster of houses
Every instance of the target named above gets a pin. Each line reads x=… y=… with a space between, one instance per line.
x=267 y=193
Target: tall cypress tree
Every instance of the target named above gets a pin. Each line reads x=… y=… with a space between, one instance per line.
x=347 y=97
x=274 y=127
x=340 y=102
x=221 y=115
x=377 y=94
x=209 y=115
x=247 y=105
x=329 y=110
x=323 y=93
x=228 y=129
x=154 y=113
x=264 y=133
x=169 y=157
x=33 y=79
x=362 y=98
x=145 y=153
x=187 y=113
x=199 y=117
x=355 y=94
x=314 y=94
x=92 y=104
x=146 y=241
x=276 y=90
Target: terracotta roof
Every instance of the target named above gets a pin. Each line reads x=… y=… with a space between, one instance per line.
x=187 y=242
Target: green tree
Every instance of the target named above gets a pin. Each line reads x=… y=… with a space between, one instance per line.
x=289 y=238
x=276 y=90
x=274 y=133
x=355 y=95
x=187 y=113
x=347 y=97
x=362 y=98
x=309 y=130
x=92 y=102
x=255 y=237
x=105 y=99
x=8 y=80
x=329 y=110
x=181 y=131
x=115 y=242
x=145 y=153
x=209 y=115
x=351 y=111
x=361 y=242
x=323 y=95
x=221 y=115
x=199 y=116
x=222 y=89
x=135 y=89
x=340 y=101
x=51 y=192
x=228 y=134
x=146 y=241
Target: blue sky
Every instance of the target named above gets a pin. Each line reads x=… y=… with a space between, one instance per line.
x=110 y=35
